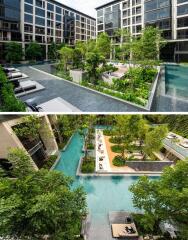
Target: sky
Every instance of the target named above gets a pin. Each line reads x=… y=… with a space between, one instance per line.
x=85 y=6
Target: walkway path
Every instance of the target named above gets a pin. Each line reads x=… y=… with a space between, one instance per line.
x=83 y=99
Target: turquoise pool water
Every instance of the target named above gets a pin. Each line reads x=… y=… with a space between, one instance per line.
x=104 y=194
x=176 y=80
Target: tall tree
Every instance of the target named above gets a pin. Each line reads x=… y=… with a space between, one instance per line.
x=103 y=44
x=154 y=140
x=66 y=56
x=41 y=206
x=94 y=60
x=14 y=52
x=165 y=199
x=33 y=51
x=148 y=46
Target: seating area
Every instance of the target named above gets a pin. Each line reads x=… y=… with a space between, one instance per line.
x=123 y=226
x=179 y=140
x=102 y=161
x=20 y=84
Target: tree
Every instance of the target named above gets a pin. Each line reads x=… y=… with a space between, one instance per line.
x=103 y=44
x=33 y=51
x=29 y=127
x=165 y=199
x=41 y=206
x=154 y=140
x=148 y=46
x=126 y=41
x=93 y=61
x=21 y=162
x=66 y=56
x=14 y=52
x=53 y=51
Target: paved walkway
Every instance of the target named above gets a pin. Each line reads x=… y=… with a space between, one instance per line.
x=83 y=99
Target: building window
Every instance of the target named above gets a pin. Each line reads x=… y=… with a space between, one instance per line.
x=28 y=8
x=40 y=21
x=40 y=12
x=28 y=18
x=50 y=7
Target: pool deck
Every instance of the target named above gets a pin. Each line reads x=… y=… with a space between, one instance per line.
x=83 y=99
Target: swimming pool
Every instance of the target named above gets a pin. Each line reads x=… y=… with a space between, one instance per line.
x=104 y=194
x=176 y=79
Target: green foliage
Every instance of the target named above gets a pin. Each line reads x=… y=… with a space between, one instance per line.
x=166 y=198
x=153 y=140
x=29 y=127
x=90 y=146
x=103 y=44
x=119 y=161
x=14 y=52
x=33 y=51
x=9 y=103
x=88 y=165
x=21 y=162
x=41 y=204
x=66 y=56
x=93 y=61
x=49 y=162
x=53 y=51
x=147 y=47
x=107 y=132
x=116 y=148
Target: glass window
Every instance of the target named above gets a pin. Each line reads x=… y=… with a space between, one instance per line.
x=50 y=7
x=29 y=1
x=28 y=8
x=28 y=18
x=40 y=12
x=40 y=21
x=58 y=10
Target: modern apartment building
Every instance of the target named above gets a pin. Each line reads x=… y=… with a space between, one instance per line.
x=171 y=16
x=44 y=21
x=38 y=148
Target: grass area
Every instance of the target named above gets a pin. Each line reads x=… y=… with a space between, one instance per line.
x=119 y=161
x=107 y=132
x=116 y=149
x=90 y=146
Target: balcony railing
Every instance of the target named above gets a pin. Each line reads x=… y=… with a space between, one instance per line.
x=34 y=149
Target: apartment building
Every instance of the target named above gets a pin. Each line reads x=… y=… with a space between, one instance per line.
x=171 y=16
x=44 y=21
x=38 y=148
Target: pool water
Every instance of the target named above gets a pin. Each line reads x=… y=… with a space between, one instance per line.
x=104 y=194
x=176 y=80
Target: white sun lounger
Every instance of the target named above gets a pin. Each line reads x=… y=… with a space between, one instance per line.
x=57 y=105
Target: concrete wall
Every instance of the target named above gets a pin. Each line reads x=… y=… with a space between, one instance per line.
x=8 y=139
x=47 y=135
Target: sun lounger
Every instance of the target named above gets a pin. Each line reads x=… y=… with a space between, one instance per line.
x=10 y=70
x=13 y=75
x=25 y=86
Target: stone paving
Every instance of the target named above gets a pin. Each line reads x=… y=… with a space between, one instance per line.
x=83 y=99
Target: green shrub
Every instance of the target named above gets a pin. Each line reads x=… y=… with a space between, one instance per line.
x=90 y=146
x=119 y=161
x=107 y=132
x=88 y=166
x=50 y=161
x=114 y=140
x=116 y=148
x=9 y=103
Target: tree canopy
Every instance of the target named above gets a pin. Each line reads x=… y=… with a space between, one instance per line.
x=166 y=198
x=41 y=204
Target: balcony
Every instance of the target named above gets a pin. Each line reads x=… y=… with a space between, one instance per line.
x=34 y=149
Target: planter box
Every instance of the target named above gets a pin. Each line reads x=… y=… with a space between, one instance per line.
x=77 y=75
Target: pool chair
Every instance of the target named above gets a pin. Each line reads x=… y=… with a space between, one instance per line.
x=10 y=70
x=13 y=75
x=25 y=86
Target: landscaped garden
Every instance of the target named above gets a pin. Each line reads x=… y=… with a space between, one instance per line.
x=50 y=205
x=101 y=74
